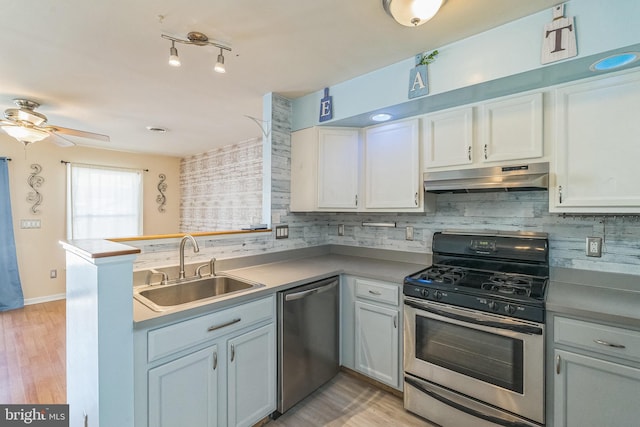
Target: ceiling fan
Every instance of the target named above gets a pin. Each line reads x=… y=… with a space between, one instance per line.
x=28 y=126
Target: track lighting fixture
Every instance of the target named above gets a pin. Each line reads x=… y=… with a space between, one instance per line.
x=219 y=68
x=174 y=61
x=198 y=39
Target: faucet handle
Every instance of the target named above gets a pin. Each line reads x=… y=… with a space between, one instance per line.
x=164 y=280
x=210 y=264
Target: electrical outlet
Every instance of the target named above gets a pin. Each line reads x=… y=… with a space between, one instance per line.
x=408 y=235
x=282 y=231
x=340 y=229
x=53 y=274
x=594 y=246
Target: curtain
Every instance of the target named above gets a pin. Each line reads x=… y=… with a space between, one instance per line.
x=103 y=202
x=10 y=288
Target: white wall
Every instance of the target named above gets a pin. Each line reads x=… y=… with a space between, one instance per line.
x=38 y=249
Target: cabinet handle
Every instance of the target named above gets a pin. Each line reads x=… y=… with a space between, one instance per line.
x=558 y=360
x=485 y=152
x=233 y=352
x=395 y=322
x=215 y=360
x=469 y=152
x=374 y=292
x=356 y=200
x=560 y=193
x=416 y=198
x=608 y=344
x=213 y=328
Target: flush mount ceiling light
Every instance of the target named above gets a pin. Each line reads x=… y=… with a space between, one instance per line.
x=197 y=39
x=615 y=61
x=380 y=117
x=412 y=13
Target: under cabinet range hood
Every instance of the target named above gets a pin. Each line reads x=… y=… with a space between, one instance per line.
x=527 y=177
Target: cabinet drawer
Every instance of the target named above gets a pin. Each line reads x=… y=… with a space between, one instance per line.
x=173 y=338
x=619 y=342
x=376 y=291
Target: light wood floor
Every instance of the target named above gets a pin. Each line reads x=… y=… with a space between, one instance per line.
x=32 y=354
x=348 y=401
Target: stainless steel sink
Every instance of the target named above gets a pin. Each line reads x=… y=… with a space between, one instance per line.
x=165 y=297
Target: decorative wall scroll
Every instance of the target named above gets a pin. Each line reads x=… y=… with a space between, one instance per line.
x=162 y=187
x=35 y=181
x=418 y=79
x=326 y=106
x=559 y=37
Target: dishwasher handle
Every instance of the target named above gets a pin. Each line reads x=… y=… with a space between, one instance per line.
x=308 y=292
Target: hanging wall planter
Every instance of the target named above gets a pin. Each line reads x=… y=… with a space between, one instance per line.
x=418 y=79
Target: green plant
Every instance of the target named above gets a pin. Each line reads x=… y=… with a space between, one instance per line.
x=428 y=59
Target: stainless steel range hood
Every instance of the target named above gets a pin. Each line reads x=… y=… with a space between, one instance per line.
x=522 y=177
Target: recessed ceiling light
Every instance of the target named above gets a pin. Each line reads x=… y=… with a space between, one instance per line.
x=380 y=117
x=615 y=61
x=156 y=129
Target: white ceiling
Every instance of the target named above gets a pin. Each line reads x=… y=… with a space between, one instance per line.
x=101 y=65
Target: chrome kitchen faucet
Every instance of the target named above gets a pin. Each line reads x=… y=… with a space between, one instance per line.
x=195 y=249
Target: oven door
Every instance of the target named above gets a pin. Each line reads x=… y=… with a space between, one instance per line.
x=492 y=358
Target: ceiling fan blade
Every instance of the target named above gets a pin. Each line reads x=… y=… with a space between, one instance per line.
x=75 y=132
x=60 y=140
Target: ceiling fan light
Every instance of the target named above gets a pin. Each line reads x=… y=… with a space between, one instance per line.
x=219 y=67
x=412 y=13
x=24 y=134
x=174 y=61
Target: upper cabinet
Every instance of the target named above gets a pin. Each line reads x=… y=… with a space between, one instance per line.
x=595 y=164
x=392 y=166
x=489 y=134
x=346 y=169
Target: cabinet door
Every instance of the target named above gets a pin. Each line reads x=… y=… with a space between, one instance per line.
x=392 y=166
x=594 y=392
x=251 y=384
x=377 y=342
x=304 y=170
x=338 y=168
x=448 y=138
x=596 y=158
x=184 y=392
x=512 y=128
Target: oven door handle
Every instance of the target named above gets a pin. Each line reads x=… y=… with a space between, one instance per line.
x=462 y=408
x=525 y=329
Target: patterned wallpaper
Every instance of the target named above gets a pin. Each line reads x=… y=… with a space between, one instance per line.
x=526 y=211
x=222 y=188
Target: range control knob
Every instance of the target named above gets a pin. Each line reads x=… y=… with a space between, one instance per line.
x=424 y=292
x=438 y=295
x=510 y=309
x=493 y=305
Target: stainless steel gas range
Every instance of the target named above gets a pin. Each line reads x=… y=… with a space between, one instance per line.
x=474 y=331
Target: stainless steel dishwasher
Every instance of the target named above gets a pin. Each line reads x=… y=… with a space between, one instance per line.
x=308 y=346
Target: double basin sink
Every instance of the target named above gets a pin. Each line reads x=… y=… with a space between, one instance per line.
x=166 y=294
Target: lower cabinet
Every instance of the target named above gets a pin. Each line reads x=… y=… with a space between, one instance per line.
x=596 y=374
x=213 y=370
x=371 y=332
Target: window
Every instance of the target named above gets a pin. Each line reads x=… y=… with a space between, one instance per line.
x=103 y=202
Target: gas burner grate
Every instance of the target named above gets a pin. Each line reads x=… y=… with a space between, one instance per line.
x=444 y=275
x=509 y=284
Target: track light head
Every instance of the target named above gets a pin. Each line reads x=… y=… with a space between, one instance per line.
x=174 y=61
x=219 y=68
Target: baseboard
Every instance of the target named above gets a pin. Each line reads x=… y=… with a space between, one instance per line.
x=373 y=382
x=39 y=300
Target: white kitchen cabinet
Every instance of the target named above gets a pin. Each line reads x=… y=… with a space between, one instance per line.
x=325 y=169
x=596 y=374
x=215 y=369
x=595 y=164
x=377 y=342
x=448 y=138
x=338 y=159
x=184 y=391
x=392 y=166
x=371 y=332
x=512 y=128
x=498 y=132
x=251 y=385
